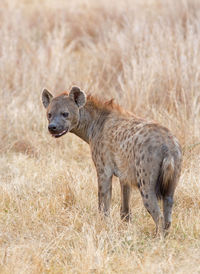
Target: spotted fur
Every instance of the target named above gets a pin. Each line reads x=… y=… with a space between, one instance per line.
x=139 y=152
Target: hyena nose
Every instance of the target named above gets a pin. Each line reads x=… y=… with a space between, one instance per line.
x=52 y=127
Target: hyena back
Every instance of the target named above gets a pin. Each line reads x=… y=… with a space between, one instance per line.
x=140 y=153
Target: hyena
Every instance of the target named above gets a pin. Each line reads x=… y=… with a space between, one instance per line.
x=140 y=153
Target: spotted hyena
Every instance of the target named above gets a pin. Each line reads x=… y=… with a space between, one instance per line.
x=140 y=153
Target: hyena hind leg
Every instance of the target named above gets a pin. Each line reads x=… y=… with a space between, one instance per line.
x=125 y=201
x=167 y=210
x=168 y=201
x=151 y=204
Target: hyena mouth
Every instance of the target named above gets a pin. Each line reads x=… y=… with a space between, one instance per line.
x=57 y=135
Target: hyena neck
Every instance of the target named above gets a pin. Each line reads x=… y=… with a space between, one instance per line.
x=91 y=121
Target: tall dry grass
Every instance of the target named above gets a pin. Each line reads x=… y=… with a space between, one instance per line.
x=146 y=55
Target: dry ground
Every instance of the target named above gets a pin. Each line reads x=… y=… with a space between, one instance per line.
x=145 y=54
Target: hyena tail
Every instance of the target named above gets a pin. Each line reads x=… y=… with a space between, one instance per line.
x=165 y=182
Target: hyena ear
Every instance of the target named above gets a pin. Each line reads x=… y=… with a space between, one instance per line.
x=46 y=97
x=78 y=96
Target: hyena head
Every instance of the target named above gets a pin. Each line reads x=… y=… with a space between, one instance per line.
x=63 y=110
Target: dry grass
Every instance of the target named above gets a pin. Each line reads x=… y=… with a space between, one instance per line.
x=145 y=54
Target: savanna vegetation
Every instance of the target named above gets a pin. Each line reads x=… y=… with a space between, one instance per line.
x=146 y=55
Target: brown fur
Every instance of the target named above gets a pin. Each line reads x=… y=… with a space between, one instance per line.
x=138 y=152
x=108 y=105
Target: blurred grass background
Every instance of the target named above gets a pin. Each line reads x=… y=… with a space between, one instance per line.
x=146 y=55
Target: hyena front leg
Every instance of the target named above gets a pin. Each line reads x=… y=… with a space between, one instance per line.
x=125 y=201
x=104 y=192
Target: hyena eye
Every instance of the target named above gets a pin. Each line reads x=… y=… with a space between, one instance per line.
x=49 y=115
x=65 y=114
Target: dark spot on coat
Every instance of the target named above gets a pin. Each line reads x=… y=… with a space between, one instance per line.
x=148 y=159
x=142 y=156
x=142 y=131
x=101 y=171
x=136 y=139
x=139 y=146
x=102 y=160
x=150 y=149
x=146 y=205
x=147 y=141
x=146 y=196
x=164 y=149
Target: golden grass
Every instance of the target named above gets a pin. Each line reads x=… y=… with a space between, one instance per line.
x=146 y=55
